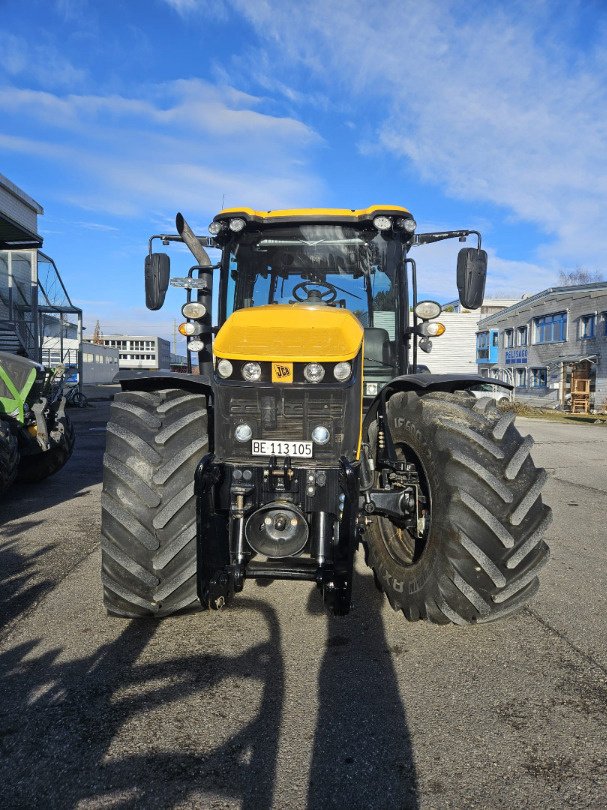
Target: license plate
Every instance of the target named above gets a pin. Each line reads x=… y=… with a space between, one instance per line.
x=275 y=447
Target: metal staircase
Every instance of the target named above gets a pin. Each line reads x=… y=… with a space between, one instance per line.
x=9 y=340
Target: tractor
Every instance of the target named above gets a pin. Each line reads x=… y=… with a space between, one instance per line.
x=305 y=427
x=36 y=437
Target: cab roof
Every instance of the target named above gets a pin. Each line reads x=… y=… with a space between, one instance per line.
x=313 y=214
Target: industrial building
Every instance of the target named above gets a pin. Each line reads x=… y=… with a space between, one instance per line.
x=551 y=346
x=140 y=351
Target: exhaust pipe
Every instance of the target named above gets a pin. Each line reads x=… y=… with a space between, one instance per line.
x=191 y=240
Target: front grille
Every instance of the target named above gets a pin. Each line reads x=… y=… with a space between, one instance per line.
x=289 y=414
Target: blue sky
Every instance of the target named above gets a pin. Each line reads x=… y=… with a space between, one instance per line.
x=485 y=115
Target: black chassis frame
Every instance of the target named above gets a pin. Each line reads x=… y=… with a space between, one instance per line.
x=222 y=498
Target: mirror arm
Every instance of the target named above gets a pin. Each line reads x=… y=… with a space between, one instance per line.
x=205 y=241
x=439 y=236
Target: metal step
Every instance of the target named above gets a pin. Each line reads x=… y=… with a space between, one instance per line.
x=9 y=340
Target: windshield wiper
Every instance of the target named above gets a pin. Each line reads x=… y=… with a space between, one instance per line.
x=341 y=289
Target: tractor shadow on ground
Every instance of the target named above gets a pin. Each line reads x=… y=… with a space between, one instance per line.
x=363 y=755
x=58 y=720
x=126 y=728
x=19 y=589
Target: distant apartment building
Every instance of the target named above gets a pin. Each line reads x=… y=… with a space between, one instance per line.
x=140 y=351
x=543 y=341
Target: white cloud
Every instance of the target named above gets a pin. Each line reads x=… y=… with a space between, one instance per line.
x=183 y=144
x=215 y=9
x=39 y=61
x=499 y=105
x=437 y=263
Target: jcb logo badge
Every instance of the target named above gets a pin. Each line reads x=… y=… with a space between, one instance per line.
x=282 y=372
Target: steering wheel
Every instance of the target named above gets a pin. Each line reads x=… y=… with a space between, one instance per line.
x=328 y=296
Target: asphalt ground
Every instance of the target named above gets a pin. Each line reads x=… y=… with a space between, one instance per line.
x=272 y=703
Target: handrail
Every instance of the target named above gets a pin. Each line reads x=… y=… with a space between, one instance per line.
x=57 y=273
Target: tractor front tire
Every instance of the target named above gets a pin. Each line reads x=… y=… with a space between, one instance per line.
x=155 y=440
x=482 y=546
x=9 y=456
x=43 y=463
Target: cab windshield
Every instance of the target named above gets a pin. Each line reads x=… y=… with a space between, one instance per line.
x=328 y=265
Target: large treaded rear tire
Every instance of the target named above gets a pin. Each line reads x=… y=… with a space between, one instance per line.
x=9 y=457
x=484 y=547
x=41 y=464
x=148 y=524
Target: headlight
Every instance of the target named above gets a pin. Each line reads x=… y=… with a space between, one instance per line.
x=314 y=372
x=224 y=369
x=193 y=310
x=409 y=225
x=342 y=371
x=382 y=223
x=428 y=309
x=435 y=329
x=243 y=432
x=195 y=345
x=320 y=435
x=237 y=224
x=251 y=372
x=215 y=228
x=190 y=328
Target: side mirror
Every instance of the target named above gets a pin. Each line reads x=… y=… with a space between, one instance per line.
x=157 y=274
x=471 y=277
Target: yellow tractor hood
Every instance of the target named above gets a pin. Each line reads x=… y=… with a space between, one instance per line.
x=298 y=333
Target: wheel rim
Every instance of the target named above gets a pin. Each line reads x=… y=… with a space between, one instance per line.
x=401 y=545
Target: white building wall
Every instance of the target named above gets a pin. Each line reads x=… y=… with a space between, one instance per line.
x=454 y=352
x=99 y=363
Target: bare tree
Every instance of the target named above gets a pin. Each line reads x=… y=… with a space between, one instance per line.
x=567 y=278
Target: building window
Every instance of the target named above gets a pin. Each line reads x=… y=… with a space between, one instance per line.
x=538 y=378
x=495 y=338
x=482 y=346
x=521 y=335
x=520 y=377
x=508 y=338
x=587 y=327
x=551 y=328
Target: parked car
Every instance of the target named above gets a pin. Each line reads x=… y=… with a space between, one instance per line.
x=496 y=392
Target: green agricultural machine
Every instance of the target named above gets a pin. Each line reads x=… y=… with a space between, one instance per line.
x=36 y=437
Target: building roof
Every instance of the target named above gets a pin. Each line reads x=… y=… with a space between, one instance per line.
x=18 y=212
x=20 y=194
x=107 y=336
x=571 y=291
x=487 y=302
